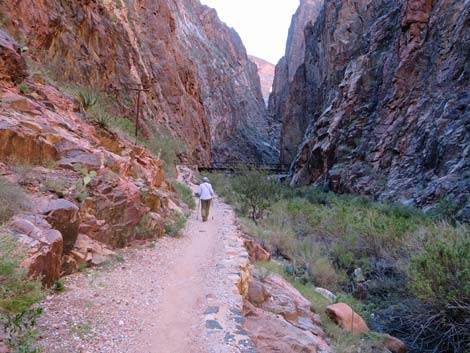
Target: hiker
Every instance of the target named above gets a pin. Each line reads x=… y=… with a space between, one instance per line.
x=205 y=194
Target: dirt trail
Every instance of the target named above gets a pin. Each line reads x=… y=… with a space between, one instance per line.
x=174 y=296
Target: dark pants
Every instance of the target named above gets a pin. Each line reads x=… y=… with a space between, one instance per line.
x=205 y=207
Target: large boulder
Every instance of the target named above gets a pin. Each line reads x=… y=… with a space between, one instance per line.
x=344 y=316
x=12 y=65
x=394 y=345
x=45 y=246
x=255 y=251
x=114 y=210
x=279 y=318
x=63 y=216
x=272 y=333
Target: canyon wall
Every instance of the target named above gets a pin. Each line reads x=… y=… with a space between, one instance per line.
x=201 y=85
x=385 y=95
x=266 y=75
x=282 y=110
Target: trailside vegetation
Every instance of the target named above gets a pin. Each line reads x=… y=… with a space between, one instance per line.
x=416 y=266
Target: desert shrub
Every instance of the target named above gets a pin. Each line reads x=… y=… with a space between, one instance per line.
x=222 y=184
x=166 y=147
x=87 y=97
x=24 y=88
x=17 y=295
x=123 y=125
x=186 y=195
x=174 y=227
x=256 y=191
x=12 y=199
x=441 y=271
x=445 y=210
x=81 y=187
x=440 y=275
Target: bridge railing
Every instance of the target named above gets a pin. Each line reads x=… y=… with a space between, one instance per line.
x=272 y=167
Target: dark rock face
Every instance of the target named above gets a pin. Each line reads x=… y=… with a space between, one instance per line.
x=12 y=65
x=386 y=98
x=287 y=107
x=202 y=86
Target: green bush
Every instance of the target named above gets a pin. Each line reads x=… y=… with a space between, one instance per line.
x=256 y=191
x=166 y=147
x=87 y=97
x=12 y=199
x=441 y=271
x=186 y=195
x=174 y=227
x=17 y=295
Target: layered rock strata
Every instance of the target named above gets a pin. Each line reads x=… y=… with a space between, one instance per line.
x=384 y=93
x=89 y=190
x=200 y=84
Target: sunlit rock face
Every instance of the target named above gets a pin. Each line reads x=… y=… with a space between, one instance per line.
x=385 y=94
x=202 y=86
x=266 y=75
x=288 y=113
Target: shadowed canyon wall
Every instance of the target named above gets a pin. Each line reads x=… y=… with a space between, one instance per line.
x=384 y=92
x=282 y=110
x=202 y=86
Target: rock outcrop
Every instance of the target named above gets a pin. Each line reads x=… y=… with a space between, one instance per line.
x=285 y=102
x=385 y=97
x=279 y=319
x=89 y=189
x=200 y=84
x=266 y=75
x=343 y=315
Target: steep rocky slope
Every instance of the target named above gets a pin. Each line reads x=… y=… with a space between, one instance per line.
x=266 y=75
x=386 y=101
x=285 y=107
x=86 y=189
x=201 y=84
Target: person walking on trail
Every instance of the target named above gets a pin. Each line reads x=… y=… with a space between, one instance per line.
x=206 y=193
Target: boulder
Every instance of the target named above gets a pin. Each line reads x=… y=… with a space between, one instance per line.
x=272 y=333
x=45 y=246
x=63 y=216
x=257 y=293
x=255 y=251
x=12 y=65
x=394 y=345
x=279 y=318
x=325 y=293
x=344 y=316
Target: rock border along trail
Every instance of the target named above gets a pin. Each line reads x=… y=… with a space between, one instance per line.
x=177 y=295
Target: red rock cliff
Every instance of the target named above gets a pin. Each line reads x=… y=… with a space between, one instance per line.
x=202 y=86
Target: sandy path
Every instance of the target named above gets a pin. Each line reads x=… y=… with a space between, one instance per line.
x=176 y=295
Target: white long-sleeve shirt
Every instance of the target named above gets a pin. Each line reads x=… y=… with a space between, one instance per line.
x=205 y=191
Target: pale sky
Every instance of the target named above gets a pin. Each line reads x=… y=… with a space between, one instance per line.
x=263 y=25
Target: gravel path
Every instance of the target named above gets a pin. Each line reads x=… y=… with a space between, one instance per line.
x=177 y=295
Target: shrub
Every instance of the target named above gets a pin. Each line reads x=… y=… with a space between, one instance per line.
x=82 y=184
x=24 y=88
x=17 y=295
x=256 y=191
x=12 y=199
x=174 y=227
x=441 y=271
x=186 y=195
x=165 y=147
x=87 y=98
